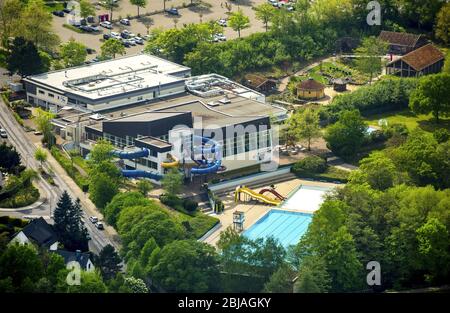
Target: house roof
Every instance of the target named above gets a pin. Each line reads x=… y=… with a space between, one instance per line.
x=80 y=257
x=423 y=57
x=400 y=39
x=310 y=84
x=256 y=81
x=40 y=232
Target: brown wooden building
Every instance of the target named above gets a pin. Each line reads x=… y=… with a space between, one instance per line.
x=260 y=83
x=425 y=60
x=310 y=89
x=402 y=43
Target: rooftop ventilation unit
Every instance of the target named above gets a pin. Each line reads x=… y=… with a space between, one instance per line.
x=96 y=117
x=225 y=100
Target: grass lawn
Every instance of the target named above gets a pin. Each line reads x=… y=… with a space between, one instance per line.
x=199 y=222
x=411 y=120
x=50 y=7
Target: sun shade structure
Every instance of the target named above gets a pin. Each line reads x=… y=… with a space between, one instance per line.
x=310 y=89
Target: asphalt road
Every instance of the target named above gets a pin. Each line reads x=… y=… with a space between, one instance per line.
x=18 y=138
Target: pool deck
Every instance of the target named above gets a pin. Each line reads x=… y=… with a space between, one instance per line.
x=254 y=210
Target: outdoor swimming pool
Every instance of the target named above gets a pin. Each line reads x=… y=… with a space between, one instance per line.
x=306 y=199
x=288 y=227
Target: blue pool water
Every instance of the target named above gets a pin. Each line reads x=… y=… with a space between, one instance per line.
x=286 y=226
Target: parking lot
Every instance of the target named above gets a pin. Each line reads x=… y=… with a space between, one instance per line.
x=161 y=20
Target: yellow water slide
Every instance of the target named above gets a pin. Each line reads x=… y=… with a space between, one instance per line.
x=174 y=162
x=255 y=195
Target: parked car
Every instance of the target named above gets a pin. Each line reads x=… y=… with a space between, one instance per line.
x=67 y=10
x=126 y=43
x=37 y=133
x=147 y=37
x=93 y=219
x=86 y=28
x=132 y=41
x=58 y=13
x=172 y=11
x=220 y=37
x=125 y=21
x=115 y=35
x=99 y=225
x=3 y=133
x=106 y=36
x=222 y=22
x=94 y=28
x=139 y=40
x=125 y=34
x=106 y=24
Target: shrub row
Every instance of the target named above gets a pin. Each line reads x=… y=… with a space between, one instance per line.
x=187 y=206
x=72 y=171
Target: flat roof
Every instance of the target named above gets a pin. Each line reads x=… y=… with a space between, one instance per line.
x=154 y=142
x=238 y=110
x=112 y=77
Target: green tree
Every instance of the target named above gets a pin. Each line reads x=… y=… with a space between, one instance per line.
x=369 y=56
x=111 y=47
x=196 y=264
x=446 y=68
x=144 y=187
x=432 y=96
x=40 y=155
x=347 y=135
x=135 y=285
x=43 y=121
x=102 y=188
x=377 y=170
x=121 y=201
x=24 y=58
x=139 y=4
x=101 y=152
x=434 y=248
x=308 y=126
x=91 y=282
x=86 y=9
x=238 y=21
x=442 y=29
x=312 y=276
x=147 y=22
x=36 y=25
x=69 y=225
x=73 y=53
x=10 y=11
x=265 y=13
x=21 y=263
x=9 y=158
x=281 y=281
x=108 y=262
x=172 y=182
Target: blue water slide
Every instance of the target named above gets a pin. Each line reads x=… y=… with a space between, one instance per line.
x=129 y=155
x=207 y=167
x=140 y=173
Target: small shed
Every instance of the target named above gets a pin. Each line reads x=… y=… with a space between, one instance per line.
x=260 y=83
x=310 y=89
x=339 y=84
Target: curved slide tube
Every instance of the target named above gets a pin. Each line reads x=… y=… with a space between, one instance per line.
x=140 y=173
x=129 y=155
x=172 y=164
x=272 y=191
x=255 y=195
x=140 y=153
x=207 y=167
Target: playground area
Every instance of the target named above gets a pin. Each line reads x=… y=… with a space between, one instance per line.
x=267 y=215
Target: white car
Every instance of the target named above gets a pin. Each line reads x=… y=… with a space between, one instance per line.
x=106 y=24
x=132 y=41
x=93 y=219
x=147 y=37
x=99 y=225
x=139 y=40
x=125 y=21
x=220 y=37
x=115 y=35
x=3 y=133
x=275 y=4
x=222 y=22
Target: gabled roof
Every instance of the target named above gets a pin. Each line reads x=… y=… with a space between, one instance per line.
x=423 y=57
x=40 y=232
x=80 y=257
x=256 y=81
x=310 y=84
x=400 y=39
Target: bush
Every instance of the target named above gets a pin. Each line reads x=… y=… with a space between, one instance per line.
x=309 y=165
x=441 y=135
x=72 y=171
x=190 y=205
